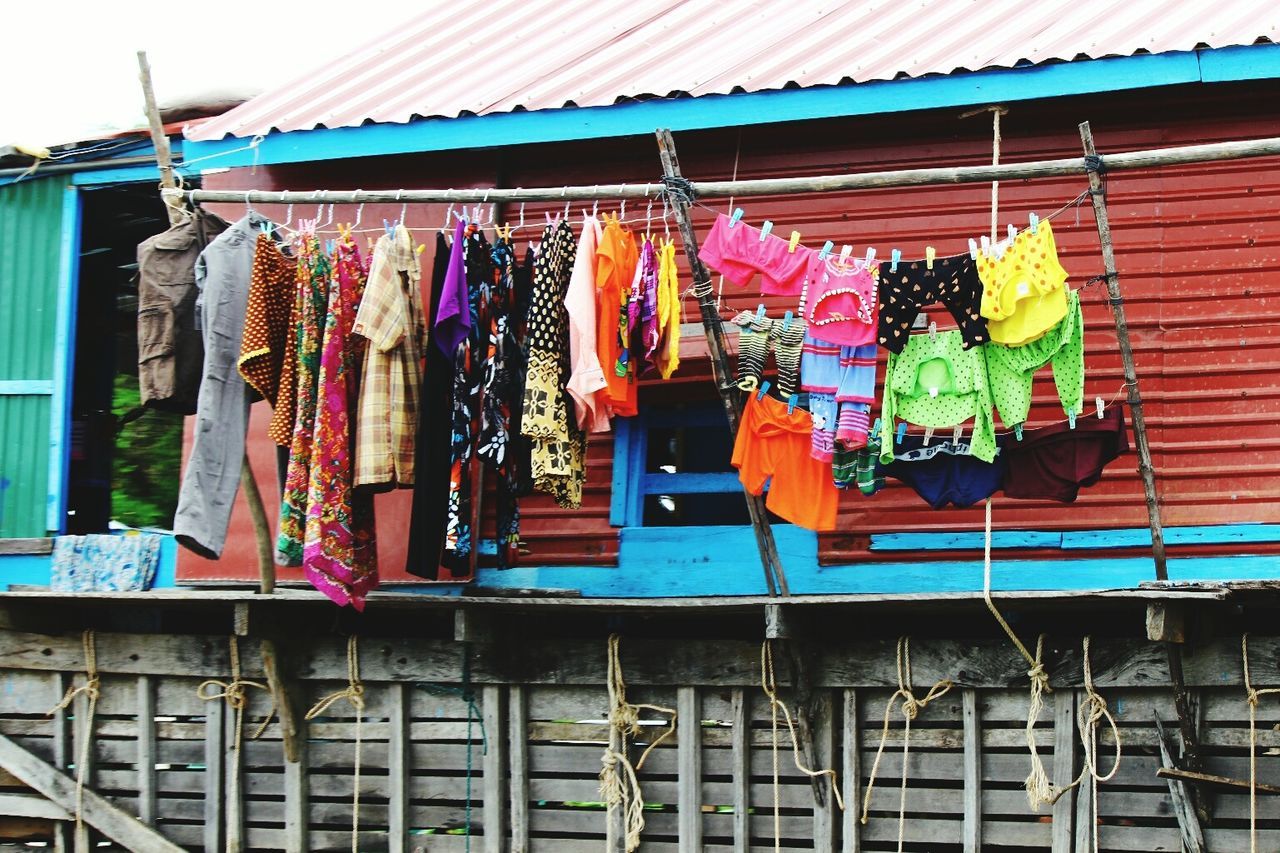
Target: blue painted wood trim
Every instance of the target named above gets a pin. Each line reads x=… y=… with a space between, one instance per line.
x=25 y=387
x=622 y=430
x=1216 y=534
x=117 y=175
x=712 y=482
x=637 y=455
x=63 y=362
x=711 y=111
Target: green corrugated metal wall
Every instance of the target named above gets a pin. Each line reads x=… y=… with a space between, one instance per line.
x=30 y=258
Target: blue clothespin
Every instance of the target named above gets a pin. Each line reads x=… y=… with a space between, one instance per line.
x=902 y=430
x=895 y=255
x=737 y=215
x=791 y=403
x=760 y=312
x=973 y=248
x=1071 y=420
x=786 y=320
x=389 y=227
x=875 y=428
x=1035 y=224
x=826 y=249
x=1017 y=431
x=764 y=231
x=764 y=389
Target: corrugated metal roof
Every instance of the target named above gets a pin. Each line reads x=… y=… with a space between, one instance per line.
x=518 y=55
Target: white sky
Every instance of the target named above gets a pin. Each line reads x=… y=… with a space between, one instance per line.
x=71 y=73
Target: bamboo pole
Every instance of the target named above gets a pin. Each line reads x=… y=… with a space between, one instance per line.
x=1098 y=194
x=173 y=203
x=1065 y=167
x=720 y=371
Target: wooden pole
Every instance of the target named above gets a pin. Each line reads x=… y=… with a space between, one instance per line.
x=173 y=203
x=1065 y=167
x=720 y=371
x=1097 y=192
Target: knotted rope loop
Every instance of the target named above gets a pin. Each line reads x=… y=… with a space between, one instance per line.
x=769 y=684
x=678 y=188
x=619 y=784
x=910 y=708
x=1252 y=695
x=91 y=690
x=353 y=693
x=235 y=693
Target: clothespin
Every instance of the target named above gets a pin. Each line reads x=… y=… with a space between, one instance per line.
x=737 y=214
x=1017 y=431
x=786 y=320
x=845 y=251
x=795 y=241
x=386 y=226
x=986 y=245
x=933 y=332
x=826 y=249
x=895 y=256
x=765 y=229
x=760 y=312
x=1035 y=224
x=902 y=430
x=973 y=248
x=1071 y=420
x=933 y=392
x=871 y=257
x=1013 y=232
x=764 y=389
x=929 y=253
x=928 y=435
x=1102 y=407
x=875 y=428
x=957 y=434
x=791 y=403
x=421 y=248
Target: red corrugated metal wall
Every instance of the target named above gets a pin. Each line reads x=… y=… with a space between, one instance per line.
x=1198 y=252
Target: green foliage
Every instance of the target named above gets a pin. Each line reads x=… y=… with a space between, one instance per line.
x=148 y=458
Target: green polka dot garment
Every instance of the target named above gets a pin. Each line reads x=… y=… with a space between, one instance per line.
x=936 y=382
x=1011 y=370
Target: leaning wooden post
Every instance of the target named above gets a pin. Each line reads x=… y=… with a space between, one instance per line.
x=1095 y=168
x=717 y=349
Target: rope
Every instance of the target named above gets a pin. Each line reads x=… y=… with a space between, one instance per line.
x=353 y=693
x=769 y=684
x=1093 y=709
x=1252 y=695
x=619 y=784
x=911 y=708
x=473 y=716
x=91 y=689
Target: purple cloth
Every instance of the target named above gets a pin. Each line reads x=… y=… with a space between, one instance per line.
x=453 y=319
x=649 y=304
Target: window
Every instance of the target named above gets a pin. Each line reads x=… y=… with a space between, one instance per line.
x=672 y=469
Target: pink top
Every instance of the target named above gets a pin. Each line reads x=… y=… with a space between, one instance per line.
x=737 y=252
x=842 y=305
x=586 y=379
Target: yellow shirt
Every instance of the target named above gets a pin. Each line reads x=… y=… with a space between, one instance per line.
x=1023 y=292
x=668 y=354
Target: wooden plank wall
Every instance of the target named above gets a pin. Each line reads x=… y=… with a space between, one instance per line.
x=532 y=750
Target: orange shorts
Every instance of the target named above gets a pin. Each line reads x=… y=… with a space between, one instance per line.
x=774 y=444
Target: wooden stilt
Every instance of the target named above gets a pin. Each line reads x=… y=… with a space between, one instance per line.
x=774 y=574
x=1095 y=170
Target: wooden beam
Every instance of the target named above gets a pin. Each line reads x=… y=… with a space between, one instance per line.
x=471 y=626
x=82 y=727
x=972 y=714
x=115 y=824
x=689 y=768
x=159 y=139
x=399 y=752
x=518 y=745
x=825 y=821
x=297 y=810
x=1183 y=808
x=776 y=624
x=25 y=546
x=774 y=575
x=740 y=761
x=63 y=840
x=286 y=710
x=1097 y=192
x=214 y=787
x=233 y=791
x=1224 y=782
x=1064 y=769
x=493 y=766
x=146 y=749
x=1166 y=621
x=1188 y=724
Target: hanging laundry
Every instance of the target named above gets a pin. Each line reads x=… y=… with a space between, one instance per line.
x=669 y=299
x=773 y=446
x=558 y=451
x=104 y=562
x=1053 y=463
x=937 y=382
x=945 y=471
x=644 y=325
x=390 y=316
x=842 y=380
x=266 y=348
x=433 y=464
x=312 y=307
x=842 y=301
x=1011 y=370
x=586 y=381
x=736 y=251
x=339 y=552
x=953 y=282
x=212 y=475
x=616 y=268
x=860 y=468
x=170 y=340
x=1024 y=293
x=760 y=335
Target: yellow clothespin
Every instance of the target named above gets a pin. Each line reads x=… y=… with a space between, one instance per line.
x=795 y=241
x=421 y=248
x=929 y=253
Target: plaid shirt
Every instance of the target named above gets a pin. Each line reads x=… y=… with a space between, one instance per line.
x=390 y=316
